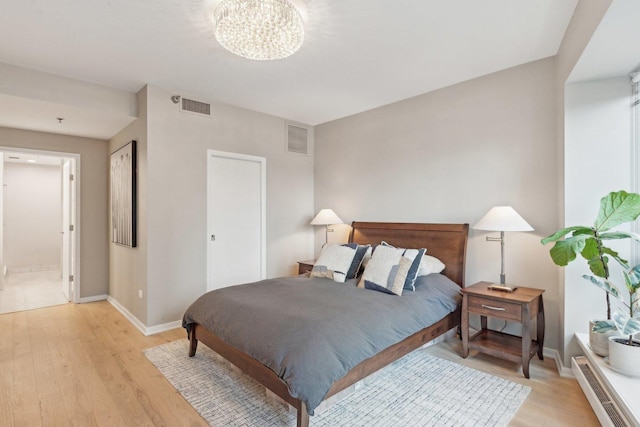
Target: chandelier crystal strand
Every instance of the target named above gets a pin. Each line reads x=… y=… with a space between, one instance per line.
x=259 y=29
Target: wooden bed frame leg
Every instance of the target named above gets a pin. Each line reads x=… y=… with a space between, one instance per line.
x=193 y=344
x=303 y=416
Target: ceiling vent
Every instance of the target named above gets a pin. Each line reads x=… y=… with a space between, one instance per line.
x=297 y=139
x=195 y=107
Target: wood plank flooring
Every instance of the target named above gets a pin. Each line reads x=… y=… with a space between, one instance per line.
x=82 y=365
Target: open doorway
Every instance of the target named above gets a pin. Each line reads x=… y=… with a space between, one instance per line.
x=39 y=236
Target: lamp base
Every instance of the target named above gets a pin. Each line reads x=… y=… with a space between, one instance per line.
x=502 y=287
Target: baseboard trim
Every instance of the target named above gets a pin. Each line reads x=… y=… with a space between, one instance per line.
x=126 y=313
x=18 y=270
x=555 y=355
x=145 y=330
x=152 y=330
x=94 y=298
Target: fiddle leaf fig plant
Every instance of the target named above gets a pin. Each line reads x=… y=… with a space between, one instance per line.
x=616 y=208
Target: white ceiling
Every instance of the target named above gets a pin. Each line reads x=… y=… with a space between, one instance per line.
x=357 y=54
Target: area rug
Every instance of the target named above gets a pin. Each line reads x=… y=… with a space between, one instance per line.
x=417 y=390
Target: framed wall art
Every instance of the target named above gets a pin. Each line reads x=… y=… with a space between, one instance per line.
x=123 y=195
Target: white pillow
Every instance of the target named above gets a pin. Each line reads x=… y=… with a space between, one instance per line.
x=430 y=265
x=391 y=270
x=334 y=261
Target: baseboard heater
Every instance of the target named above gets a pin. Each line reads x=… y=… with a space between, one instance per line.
x=607 y=411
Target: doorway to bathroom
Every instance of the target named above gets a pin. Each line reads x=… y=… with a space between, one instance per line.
x=38 y=205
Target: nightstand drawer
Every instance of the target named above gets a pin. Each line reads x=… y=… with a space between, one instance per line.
x=493 y=308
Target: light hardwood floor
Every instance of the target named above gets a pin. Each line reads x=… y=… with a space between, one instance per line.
x=82 y=365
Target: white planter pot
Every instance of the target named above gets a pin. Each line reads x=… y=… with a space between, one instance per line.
x=599 y=341
x=624 y=358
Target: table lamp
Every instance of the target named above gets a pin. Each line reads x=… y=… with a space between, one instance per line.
x=326 y=217
x=502 y=218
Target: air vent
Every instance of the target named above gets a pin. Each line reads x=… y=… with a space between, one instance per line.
x=195 y=107
x=297 y=139
x=605 y=408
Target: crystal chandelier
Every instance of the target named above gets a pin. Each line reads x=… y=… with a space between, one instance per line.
x=259 y=29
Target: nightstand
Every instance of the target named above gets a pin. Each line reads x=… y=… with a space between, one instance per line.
x=521 y=305
x=305 y=266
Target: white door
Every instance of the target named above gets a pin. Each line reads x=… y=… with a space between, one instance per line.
x=66 y=232
x=235 y=219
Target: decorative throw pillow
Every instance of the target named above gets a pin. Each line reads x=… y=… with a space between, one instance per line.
x=430 y=265
x=390 y=270
x=361 y=251
x=334 y=261
x=418 y=256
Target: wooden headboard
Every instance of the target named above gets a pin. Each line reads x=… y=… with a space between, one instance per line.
x=447 y=242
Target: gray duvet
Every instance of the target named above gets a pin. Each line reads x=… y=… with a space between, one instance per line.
x=312 y=331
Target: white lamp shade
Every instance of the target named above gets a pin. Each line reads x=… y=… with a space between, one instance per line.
x=326 y=217
x=502 y=218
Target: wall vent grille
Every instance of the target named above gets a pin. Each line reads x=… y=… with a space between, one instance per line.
x=617 y=419
x=197 y=107
x=297 y=139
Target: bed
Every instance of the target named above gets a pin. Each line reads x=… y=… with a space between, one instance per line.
x=328 y=363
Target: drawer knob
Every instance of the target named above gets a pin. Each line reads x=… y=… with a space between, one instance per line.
x=493 y=308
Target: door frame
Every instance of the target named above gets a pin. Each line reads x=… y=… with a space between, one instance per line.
x=262 y=161
x=74 y=212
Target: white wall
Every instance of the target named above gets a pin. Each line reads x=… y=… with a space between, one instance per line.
x=449 y=156
x=32 y=216
x=598 y=160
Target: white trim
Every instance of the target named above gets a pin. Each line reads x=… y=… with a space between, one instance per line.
x=146 y=331
x=555 y=355
x=152 y=330
x=75 y=157
x=634 y=139
x=126 y=313
x=94 y=298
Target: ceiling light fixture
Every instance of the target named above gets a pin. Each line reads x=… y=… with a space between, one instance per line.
x=259 y=29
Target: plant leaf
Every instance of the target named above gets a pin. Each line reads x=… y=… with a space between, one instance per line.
x=603 y=284
x=615 y=255
x=590 y=249
x=561 y=233
x=604 y=326
x=617 y=208
x=634 y=280
x=597 y=266
x=626 y=324
x=619 y=235
x=565 y=251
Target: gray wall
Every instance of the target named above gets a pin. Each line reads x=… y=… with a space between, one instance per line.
x=449 y=156
x=32 y=216
x=128 y=266
x=93 y=219
x=170 y=262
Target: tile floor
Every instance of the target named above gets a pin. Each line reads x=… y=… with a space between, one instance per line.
x=26 y=291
